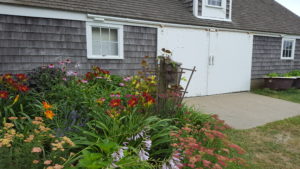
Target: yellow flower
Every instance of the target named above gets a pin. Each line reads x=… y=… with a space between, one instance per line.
x=49 y=114
x=16 y=99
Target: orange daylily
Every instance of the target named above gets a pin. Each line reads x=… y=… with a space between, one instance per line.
x=46 y=105
x=49 y=114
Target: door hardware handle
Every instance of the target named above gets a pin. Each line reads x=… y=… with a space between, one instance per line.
x=213 y=60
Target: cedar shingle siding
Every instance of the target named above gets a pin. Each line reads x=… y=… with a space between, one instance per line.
x=26 y=43
x=266 y=57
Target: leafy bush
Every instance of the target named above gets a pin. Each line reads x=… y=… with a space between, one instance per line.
x=273 y=75
x=294 y=73
x=42 y=79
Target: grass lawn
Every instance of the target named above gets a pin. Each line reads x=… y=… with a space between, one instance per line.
x=290 y=95
x=273 y=146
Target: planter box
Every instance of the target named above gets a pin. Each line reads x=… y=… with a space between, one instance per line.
x=279 y=83
x=297 y=83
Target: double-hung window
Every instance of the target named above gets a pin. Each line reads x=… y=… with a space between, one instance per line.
x=104 y=41
x=217 y=3
x=288 y=48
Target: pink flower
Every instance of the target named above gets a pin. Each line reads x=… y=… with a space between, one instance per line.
x=84 y=81
x=61 y=63
x=36 y=150
x=68 y=61
x=122 y=84
x=206 y=163
x=51 y=66
x=127 y=79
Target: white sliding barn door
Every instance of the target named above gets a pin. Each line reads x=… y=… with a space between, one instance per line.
x=229 y=67
x=222 y=59
x=189 y=47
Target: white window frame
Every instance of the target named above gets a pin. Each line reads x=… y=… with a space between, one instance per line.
x=293 y=48
x=214 y=6
x=120 y=30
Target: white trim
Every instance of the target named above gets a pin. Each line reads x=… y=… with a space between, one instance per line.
x=230 y=10
x=293 y=48
x=195 y=7
x=40 y=12
x=120 y=29
x=59 y=14
x=216 y=19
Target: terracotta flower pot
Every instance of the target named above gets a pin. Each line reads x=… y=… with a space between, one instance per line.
x=279 y=83
x=297 y=83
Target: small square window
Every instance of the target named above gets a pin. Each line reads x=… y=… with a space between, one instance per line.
x=288 y=49
x=215 y=3
x=104 y=41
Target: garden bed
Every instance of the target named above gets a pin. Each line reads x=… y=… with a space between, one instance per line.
x=53 y=119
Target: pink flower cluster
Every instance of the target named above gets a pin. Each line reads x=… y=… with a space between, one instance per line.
x=205 y=146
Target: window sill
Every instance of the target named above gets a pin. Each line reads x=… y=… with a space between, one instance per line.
x=282 y=58
x=105 y=57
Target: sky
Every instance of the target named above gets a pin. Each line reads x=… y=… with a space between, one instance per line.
x=293 y=5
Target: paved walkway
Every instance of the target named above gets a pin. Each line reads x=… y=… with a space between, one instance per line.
x=245 y=110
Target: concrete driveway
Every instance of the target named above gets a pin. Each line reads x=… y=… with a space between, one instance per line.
x=245 y=110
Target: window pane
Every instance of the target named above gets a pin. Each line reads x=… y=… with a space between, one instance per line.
x=114 y=35
x=215 y=2
x=104 y=34
x=105 y=48
x=96 y=41
x=114 y=49
x=287 y=48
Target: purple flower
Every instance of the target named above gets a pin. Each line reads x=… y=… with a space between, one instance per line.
x=122 y=84
x=127 y=79
x=144 y=156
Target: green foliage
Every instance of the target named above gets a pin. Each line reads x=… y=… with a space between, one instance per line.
x=42 y=79
x=294 y=73
x=273 y=75
x=100 y=156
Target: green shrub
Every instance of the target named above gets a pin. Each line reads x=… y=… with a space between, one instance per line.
x=42 y=79
x=273 y=75
x=294 y=73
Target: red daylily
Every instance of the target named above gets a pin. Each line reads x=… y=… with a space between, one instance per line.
x=115 y=103
x=133 y=102
x=4 y=94
x=21 y=77
x=23 y=88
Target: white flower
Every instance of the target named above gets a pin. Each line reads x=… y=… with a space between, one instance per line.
x=164 y=166
x=117 y=156
x=77 y=65
x=148 y=144
x=144 y=156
